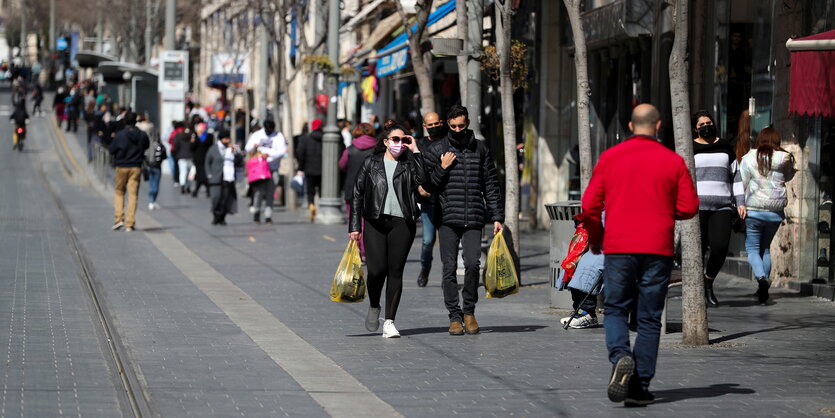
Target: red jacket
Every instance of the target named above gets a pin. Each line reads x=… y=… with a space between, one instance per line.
x=644 y=188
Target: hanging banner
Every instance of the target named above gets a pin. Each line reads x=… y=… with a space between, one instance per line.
x=393 y=62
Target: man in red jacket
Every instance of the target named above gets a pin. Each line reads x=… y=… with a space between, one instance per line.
x=645 y=187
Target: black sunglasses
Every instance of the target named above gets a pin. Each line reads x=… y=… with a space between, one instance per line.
x=405 y=140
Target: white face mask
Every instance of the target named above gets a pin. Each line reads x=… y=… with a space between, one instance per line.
x=395 y=149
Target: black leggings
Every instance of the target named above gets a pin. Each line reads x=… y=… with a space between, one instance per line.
x=387 y=242
x=716 y=233
x=314 y=184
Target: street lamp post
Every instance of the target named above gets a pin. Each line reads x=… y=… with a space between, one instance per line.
x=330 y=202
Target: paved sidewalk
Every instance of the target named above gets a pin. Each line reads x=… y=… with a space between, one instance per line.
x=54 y=360
x=197 y=357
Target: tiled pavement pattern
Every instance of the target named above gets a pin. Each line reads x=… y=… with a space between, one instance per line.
x=51 y=352
x=775 y=360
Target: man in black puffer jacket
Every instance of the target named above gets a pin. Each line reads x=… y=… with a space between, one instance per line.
x=128 y=150
x=462 y=174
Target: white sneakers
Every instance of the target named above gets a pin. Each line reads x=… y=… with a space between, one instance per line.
x=389 y=331
x=153 y=206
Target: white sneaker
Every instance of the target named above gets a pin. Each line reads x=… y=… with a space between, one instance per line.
x=389 y=331
x=252 y=209
x=585 y=321
x=150 y=206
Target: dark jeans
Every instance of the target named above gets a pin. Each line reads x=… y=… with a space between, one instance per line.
x=387 y=244
x=471 y=243
x=314 y=184
x=154 y=176
x=629 y=278
x=716 y=233
x=427 y=216
x=590 y=306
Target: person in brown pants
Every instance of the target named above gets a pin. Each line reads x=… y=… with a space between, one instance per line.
x=128 y=151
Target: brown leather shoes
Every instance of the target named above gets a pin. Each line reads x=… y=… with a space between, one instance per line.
x=455 y=328
x=470 y=324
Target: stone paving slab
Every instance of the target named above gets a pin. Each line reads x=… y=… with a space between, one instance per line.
x=54 y=360
x=774 y=360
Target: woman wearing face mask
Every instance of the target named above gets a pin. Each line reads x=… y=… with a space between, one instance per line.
x=716 y=175
x=384 y=195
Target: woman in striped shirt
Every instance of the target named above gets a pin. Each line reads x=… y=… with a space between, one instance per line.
x=719 y=188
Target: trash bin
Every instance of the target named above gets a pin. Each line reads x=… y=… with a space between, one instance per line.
x=562 y=229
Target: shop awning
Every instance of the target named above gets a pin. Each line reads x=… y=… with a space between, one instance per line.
x=224 y=80
x=114 y=71
x=394 y=56
x=812 y=90
x=92 y=58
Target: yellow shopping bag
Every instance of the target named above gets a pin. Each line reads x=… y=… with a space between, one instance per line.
x=500 y=278
x=348 y=282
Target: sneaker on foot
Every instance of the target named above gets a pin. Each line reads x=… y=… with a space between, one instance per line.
x=389 y=331
x=372 y=319
x=150 y=206
x=619 y=383
x=129 y=229
x=641 y=397
x=118 y=225
x=268 y=221
x=585 y=321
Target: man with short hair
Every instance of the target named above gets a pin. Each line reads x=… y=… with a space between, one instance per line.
x=462 y=175
x=645 y=187
x=128 y=150
x=267 y=141
x=436 y=131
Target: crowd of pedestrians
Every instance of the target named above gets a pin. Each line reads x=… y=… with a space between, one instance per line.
x=446 y=179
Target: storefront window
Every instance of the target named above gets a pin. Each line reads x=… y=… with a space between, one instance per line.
x=762 y=60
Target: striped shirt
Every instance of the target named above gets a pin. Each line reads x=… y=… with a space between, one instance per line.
x=718 y=182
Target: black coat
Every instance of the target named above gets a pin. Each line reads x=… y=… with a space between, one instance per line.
x=468 y=191
x=309 y=153
x=355 y=158
x=198 y=155
x=371 y=187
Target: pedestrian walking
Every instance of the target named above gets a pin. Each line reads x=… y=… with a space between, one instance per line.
x=90 y=123
x=58 y=105
x=462 y=175
x=436 y=131
x=153 y=163
x=201 y=142
x=271 y=144
x=182 y=152
x=765 y=171
x=128 y=150
x=37 y=98
x=716 y=173
x=178 y=128
x=384 y=195
x=309 y=155
x=221 y=163
x=351 y=161
x=642 y=203
x=101 y=122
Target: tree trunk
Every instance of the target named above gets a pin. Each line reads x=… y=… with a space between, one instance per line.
x=583 y=91
x=475 y=15
x=421 y=63
x=694 y=314
x=462 y=21
x=511 y=165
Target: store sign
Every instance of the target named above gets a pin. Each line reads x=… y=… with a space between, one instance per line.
x=173 y=80
x=393 y=62
x=231 y=65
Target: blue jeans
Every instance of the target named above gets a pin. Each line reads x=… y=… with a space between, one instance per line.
x=760 y=228
x=153 y=183
x=427 y=216
x=635 y=281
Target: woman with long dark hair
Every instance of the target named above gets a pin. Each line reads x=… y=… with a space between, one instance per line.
x=384 y=195
x=765 y=171
x=715 y=168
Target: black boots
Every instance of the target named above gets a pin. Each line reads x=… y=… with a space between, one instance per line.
x=423 y=278
x=762 y=290
x=710 y=297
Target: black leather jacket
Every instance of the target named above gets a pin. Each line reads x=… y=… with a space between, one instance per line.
x=371 y=187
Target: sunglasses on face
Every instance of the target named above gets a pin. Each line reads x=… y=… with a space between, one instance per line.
x=458 y=127
x=399 y=139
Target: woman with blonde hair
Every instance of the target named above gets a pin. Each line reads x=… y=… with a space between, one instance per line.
x=765 y=171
